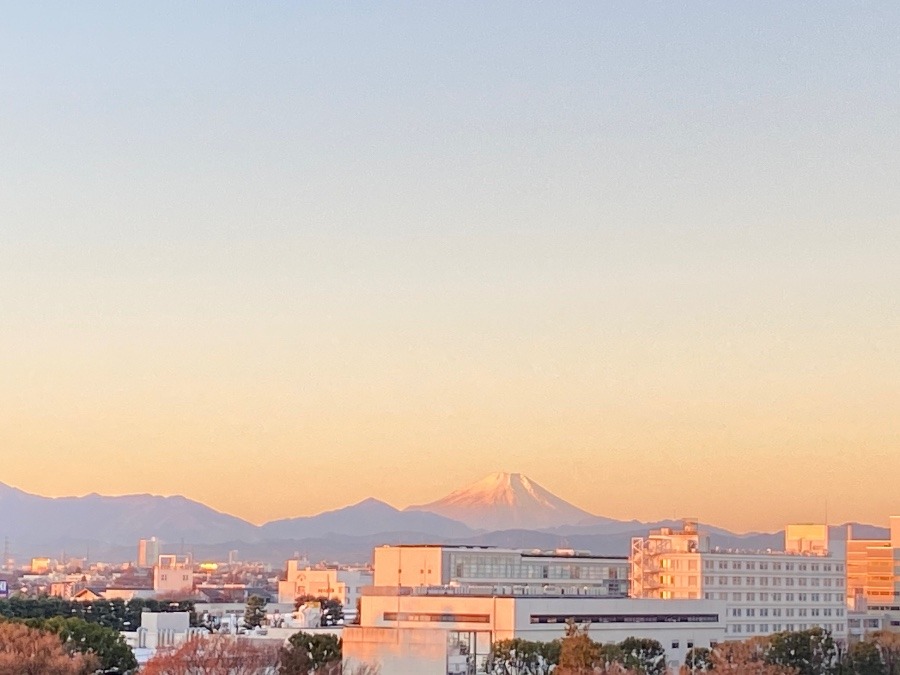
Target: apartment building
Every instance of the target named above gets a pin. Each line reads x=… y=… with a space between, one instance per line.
x=764 y=591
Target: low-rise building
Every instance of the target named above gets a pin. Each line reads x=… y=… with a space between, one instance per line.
x=343 y=583
x=173 y=574
x=439 y=630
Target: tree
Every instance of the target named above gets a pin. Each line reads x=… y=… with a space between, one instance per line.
x=522 y=657
x=864 y=658
x=745 y=658
x=578 y=654
x=106 y=644
x=643 y=655
x=306 y=654
x=28 y=651
x=888 y=645
x=215 y=655
x=697 y=660
x=332 y=609
x=809 y=652
x=255 y=613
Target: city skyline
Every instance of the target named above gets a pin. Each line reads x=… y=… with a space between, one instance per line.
x=280 y=259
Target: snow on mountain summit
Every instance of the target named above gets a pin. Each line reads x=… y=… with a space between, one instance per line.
x=503 y=501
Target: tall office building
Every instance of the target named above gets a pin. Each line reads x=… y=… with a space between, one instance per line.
x=873 y=568
x=148 y=552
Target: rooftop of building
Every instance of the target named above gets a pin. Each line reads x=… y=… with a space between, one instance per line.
x=525 y=553
x=491 y=591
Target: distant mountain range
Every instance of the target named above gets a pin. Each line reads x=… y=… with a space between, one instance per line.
x=503 y=509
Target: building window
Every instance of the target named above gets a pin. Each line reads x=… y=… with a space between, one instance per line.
x=675 y=644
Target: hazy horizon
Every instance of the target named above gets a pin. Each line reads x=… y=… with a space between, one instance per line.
x=710 y=521
x=281 y=258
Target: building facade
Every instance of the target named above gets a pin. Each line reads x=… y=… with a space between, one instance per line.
x=148 y=552
x=437 y=631
x=873 y=568
x=344 y=583
x=173 y=574
x=764 y=591
x=507 y=571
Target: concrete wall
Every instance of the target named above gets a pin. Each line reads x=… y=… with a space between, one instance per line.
x=397 y=652
x=408 y=566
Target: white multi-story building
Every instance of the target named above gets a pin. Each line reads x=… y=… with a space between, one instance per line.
x=424 y=634
x=507 y=571
x=764 y=591
x=435 y=610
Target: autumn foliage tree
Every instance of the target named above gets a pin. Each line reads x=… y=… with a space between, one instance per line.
x=215 y=655
x=28 y=651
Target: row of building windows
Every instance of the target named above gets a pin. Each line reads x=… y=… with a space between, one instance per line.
x=771 y=581
x=625 y=618
x=766 y=628
x=775 y=566
x=776 y=597
x=437 y=618
x=466 y=566
x=789 y=611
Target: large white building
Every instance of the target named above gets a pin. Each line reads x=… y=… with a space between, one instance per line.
x=438 y=631
x=435 y=610
x=764 y=591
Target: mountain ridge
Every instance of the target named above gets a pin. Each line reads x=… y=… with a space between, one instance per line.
x=112 y=525
x=504 y=500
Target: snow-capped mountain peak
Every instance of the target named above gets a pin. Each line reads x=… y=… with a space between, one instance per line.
x=506 y=501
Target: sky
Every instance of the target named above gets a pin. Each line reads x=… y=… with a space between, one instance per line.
x=280 y=257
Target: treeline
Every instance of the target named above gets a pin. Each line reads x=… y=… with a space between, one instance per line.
x=303 y=654
x=68 y=646
x=809 y=652
x=117 y=614
x=576 y=654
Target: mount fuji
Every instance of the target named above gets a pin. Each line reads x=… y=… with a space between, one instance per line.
x=505 y=501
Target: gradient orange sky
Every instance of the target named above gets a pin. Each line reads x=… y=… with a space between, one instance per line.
x=281 y=259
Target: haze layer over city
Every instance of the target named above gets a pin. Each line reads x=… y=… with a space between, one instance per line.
x=282 y=258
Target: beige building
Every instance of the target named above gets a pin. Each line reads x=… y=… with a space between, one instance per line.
x=173 y=574
x=561 y=572
x=345 y=583
x=873 y=568
x=764 y=591
x=440 y=630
